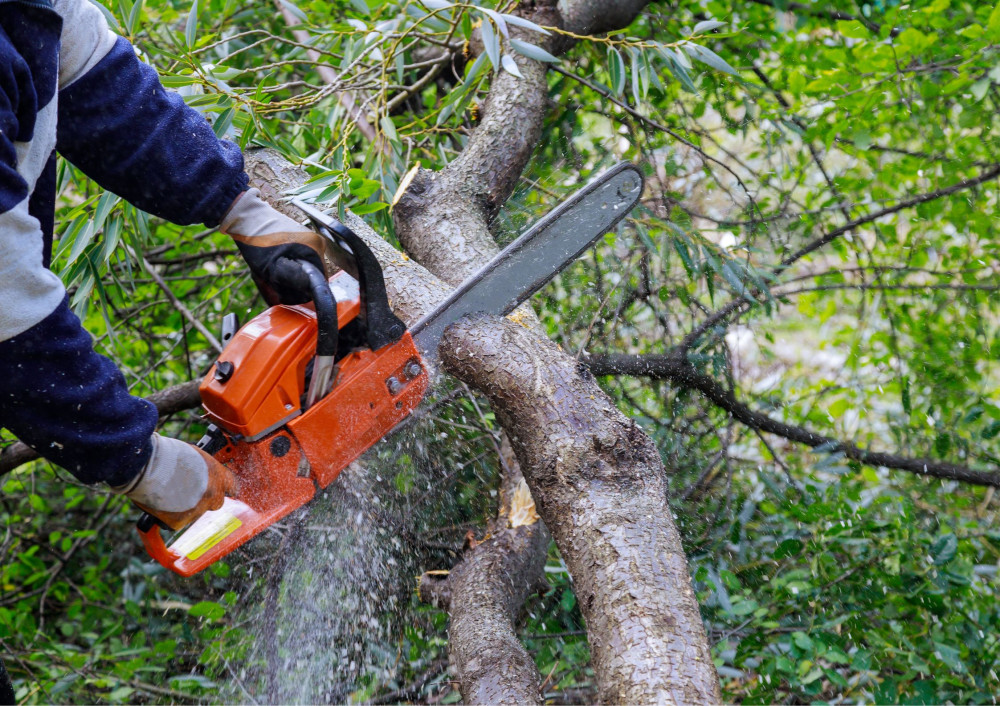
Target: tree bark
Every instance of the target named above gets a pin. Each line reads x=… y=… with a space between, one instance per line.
x=643 y=623
x=490 y=585
x=601 y=489
x=489 y=588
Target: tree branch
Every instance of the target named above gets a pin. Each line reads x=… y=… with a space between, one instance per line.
x=677 y=370
x=443 y=221
x=601 y=488
x=484 y=594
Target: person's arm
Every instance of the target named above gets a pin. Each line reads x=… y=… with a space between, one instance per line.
x=133 y=137
x=56 y=393
x=123 y=129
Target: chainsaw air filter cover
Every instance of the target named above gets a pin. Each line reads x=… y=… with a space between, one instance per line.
x=258 y=381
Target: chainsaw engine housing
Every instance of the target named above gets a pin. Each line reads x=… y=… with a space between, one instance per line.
x=280 y=452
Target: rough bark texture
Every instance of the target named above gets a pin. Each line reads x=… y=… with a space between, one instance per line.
x=608 y=498
x=484 y=594
x=600 y=486
x=599 y=16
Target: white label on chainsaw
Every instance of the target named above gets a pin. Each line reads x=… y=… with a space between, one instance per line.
x=211 y=528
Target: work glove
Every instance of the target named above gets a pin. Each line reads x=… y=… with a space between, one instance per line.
x=274 y=246
x=179 y=483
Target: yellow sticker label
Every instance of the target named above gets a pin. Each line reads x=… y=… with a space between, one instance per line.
x=231 y=525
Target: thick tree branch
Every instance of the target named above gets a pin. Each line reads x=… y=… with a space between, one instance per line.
x=443 y=220
x=484 y=594
x=601 y=488
x=598 y=16
x=682 y=373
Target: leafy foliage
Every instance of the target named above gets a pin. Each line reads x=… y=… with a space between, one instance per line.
x=821 y=169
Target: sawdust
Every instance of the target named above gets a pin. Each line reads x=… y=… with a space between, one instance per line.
x=522 y=506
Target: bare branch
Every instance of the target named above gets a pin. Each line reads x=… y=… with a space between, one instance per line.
x=677 y=370
x=990 y=173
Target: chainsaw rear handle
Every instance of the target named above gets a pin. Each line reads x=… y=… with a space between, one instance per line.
x=147 y=522
x=152 y=539
x=149 y=527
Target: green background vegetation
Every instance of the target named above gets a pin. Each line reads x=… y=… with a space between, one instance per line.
x=820 y=580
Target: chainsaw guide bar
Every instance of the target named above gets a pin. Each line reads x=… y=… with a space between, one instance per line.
x=300 y=392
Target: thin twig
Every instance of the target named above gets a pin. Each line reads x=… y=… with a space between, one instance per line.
x=179 y=305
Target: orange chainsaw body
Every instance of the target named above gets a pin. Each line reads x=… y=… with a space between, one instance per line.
x=279 y=453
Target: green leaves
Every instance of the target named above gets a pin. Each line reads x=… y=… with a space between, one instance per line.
x=709 y=57
x=133 y=13
x=491 y=44
x=706 y=26
x=944 y=549
x=191 y=26
x=616 y=65
x=531 y=51
x=510 y=66
x=207 y=609
x=993 y=24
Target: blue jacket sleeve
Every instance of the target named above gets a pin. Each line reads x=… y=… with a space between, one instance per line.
x=72 y=405
x=56 y=393
x=140 y=141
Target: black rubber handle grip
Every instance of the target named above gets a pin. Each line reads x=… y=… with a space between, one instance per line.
x=146 y=522
x=382 y=327
x=326 y=310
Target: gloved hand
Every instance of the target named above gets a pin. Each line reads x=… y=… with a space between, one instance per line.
x=273 y=245
x=179 y=483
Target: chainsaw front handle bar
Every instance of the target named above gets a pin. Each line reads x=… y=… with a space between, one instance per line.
x=327 y=333
x=381 y=326
x=326 y=310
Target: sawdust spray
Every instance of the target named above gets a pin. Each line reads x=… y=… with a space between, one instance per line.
x=331 y=588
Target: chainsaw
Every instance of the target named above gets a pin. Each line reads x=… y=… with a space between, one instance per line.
x=300 y=392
